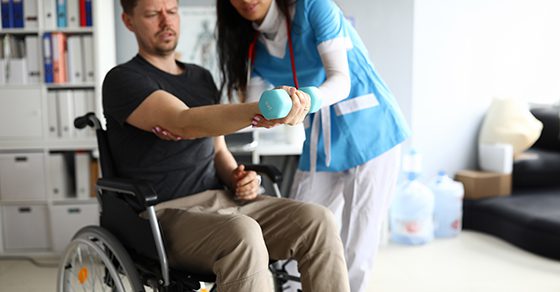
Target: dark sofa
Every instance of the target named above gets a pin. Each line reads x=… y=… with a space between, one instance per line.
x=530 y=217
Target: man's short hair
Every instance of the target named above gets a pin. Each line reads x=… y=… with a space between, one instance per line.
x=128 y=6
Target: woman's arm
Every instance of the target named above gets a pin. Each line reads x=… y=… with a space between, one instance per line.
x=335 y=61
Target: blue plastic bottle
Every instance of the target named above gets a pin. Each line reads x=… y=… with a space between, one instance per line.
x=411 y=214
x=448 y=209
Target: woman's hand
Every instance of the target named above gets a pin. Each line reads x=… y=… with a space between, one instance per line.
x=246 y=184
x=301 y=103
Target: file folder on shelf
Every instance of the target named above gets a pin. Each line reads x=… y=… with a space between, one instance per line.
x=73 y=13
x=59 y=181
x=7 y=14
x=31 y=13
x=49 y=14
x=88 y=13
x=82 y=164
x=61 y=16
x=17 y=10
x=65 y=113
x=32 y=55
x=59 y=57
x=87 y=55
x=48 y=58
x=75 y=59
x=52 y=115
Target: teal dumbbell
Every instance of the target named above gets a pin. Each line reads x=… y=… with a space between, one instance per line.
x=276 y=103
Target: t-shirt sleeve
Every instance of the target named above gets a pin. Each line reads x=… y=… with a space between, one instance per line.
x=123 y=91
x=325 y=19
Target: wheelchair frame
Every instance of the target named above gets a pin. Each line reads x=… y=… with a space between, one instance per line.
x=93 y=246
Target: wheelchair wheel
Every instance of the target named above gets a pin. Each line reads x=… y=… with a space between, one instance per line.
x=96 y=261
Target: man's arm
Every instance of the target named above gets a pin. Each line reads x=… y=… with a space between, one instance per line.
x=244 y=184
x=164 y=109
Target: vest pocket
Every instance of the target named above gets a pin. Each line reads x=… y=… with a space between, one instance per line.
x=356 y=104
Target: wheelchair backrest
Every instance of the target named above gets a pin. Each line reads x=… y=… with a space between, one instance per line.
x=116 y=215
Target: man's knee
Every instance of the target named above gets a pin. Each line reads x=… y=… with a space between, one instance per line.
x=319 y=217
x=245 y=238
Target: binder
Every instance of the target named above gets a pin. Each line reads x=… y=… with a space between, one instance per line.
x=17 y=71
x=87 y=53
x=80 y=109
x=61 y=16
x=82 y=163
x=49 y=14
x=82 y=7
x=59 y=180
x=89 y=13
x=31 y=14
x=7 y=14
x=3 y=71
x=65 y=113
x=73 y=13
x=48 y=57
x=52 y=115
x=17 y=10
x=90 y=107
x=59 y=57
x=32 y=56
x=75 y=60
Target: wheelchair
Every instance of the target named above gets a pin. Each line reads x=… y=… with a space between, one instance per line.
x=126 y=252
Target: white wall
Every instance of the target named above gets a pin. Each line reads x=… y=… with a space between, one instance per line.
x=465 y=53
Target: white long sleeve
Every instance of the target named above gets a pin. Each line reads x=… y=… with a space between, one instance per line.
x=335 y=61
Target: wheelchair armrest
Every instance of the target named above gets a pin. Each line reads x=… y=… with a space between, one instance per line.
x=141 y=190
x=269 y=170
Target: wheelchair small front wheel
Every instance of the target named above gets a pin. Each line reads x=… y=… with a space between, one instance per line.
x=96 y=261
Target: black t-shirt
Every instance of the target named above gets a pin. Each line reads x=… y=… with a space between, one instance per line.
x=174 y=168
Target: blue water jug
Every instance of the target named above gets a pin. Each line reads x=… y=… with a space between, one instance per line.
x=411 y=213
x=448 y=208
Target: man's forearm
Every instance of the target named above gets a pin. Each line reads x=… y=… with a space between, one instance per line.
x=215 y=120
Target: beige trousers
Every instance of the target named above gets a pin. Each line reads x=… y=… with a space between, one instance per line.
x=210 y=232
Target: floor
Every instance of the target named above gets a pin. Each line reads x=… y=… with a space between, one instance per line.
x=472 y=262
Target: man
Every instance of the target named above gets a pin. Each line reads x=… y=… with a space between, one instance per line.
x=207 y=229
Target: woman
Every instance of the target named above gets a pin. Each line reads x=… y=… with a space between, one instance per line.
x=351 y=154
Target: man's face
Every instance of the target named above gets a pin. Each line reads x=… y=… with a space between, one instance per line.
x=253 y=10
x=156 y=25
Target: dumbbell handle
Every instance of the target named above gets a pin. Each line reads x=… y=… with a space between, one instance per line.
x=276 y=103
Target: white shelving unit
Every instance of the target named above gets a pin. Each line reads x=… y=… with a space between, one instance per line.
x=34 y=217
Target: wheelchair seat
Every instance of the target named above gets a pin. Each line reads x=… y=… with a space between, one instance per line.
x=127 y=252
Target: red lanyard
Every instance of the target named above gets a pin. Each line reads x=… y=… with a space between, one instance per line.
x=251 y=54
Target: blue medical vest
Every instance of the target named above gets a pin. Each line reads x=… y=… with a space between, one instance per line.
x=366 y=123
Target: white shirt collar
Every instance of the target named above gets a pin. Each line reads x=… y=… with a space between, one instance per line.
x=272 y=21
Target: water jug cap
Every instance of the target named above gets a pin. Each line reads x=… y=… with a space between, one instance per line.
x=412 y=175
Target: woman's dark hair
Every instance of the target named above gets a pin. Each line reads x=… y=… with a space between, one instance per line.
x=234 y=35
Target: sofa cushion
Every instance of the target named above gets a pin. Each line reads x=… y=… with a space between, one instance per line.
x=531 y=222
x=540 y=170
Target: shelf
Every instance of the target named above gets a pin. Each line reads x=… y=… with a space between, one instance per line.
x=74 y=201
x=64 y=86
x=64 y=145
x=51 y=145
x=19 y=31
x=75 y=30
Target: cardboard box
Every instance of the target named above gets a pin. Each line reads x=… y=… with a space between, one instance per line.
x=483 y=184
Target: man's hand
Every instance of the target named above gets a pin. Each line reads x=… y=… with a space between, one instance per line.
x=246 y=184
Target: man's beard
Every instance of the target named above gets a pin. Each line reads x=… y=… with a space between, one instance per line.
x=166 y=49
